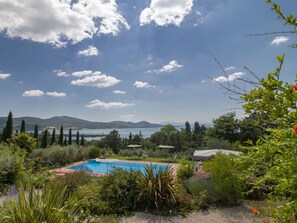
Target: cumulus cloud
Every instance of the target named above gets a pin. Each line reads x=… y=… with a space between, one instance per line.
x=231 y=77
x=100 y=104
x=4 y=76
x=94 y=79
x=91 y=51
x=60 y=21
x=140 y=84
x=119 y=92
x=170 y=67
x=33 y=93
x=61 y=73
x=278 y=40
x=165 y=12
x=56 y=94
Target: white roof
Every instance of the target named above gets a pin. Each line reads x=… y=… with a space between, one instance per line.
x=205 y=154
x=134 y=146
x=165 y=147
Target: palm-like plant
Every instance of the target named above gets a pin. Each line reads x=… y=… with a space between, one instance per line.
x=158 y=187
x=34 y=206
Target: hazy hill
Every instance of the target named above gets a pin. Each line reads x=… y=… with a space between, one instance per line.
x=75 y=123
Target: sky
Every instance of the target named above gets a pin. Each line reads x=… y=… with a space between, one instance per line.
x=134 y=60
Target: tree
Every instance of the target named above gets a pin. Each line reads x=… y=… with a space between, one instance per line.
x=44 y=141
x=113 y=141
x=53 y=138
x=35 y=135
x=8 y=129
x=23 y=126
x=70 y=137
x=24 y=141
x=82 y=141
x=77 y=138
x=198 y=133
x=130 y=138
x=225 y=127
x=188 y=131
x=61 y=136
x=65 y=141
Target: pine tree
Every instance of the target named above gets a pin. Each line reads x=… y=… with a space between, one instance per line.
x=70 y=137
x=44 y=139
x=61 y=136
x=23 y=128
x=8 y=129
x=65 y=141
x=53 y=138
x=36 y=135
x=77 y=138
x=82 y=141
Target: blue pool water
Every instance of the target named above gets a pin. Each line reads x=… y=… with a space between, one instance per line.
x=106 y=167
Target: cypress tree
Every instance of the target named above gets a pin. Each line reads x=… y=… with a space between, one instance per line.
x=61 y=136
x=44 y=139
x=53 y=138
x=82 y=141
x=16 y=131
x=70 y=137
x=8 y=129
x=188 y=131
x=77 y=138
x=65 y=141
x=36 y=134
x=23 y=128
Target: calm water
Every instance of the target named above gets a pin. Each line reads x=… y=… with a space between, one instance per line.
x=106 y=167
x=146 y=132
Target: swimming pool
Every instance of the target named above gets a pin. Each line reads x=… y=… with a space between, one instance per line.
x=107 y=166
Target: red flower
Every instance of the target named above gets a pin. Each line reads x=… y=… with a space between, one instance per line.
x=295 y=87
x=295 y=130
x=255 y=211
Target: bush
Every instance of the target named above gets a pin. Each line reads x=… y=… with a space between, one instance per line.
x=185 y=170
x=226 y=183
x=35 y=206
x=11 y=164
x=158 y=188
x=94 y=152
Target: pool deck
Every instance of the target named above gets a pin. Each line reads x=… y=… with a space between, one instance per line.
x=64 y=170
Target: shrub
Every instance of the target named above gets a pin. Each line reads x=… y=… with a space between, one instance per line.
x=226 y=183
x=185 y=170
x=94 y=152
x=158 y=188
x=48 y=206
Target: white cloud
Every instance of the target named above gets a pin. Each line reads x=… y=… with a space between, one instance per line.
x=165 y=12
x=119 y=92
x=61 y=73
x=278 y=40
x=229 y=68
x=94 y=79
x=140 y=84
x=100 y=104
x=127 y=117
x=60 y=21
x=231 y=77
x=4 y=76
x=91 y=51
x=170 y=67
x=82 y=73
x=33 y=93
x=56 y=94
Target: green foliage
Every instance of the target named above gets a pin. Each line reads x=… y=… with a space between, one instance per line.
x=11 y=165
x=35 y=135
x=113 y=141
x=48 y=206
x=8 y=129
x=53 y=138
x=44 y=140
x=82 y=141
x=24 y=141
x=61 y=135
x=224 y=175
x=185 y=169
x=70 y=137
x=23 y=127
x=77 y=138
x=95 y=152
x=56 y=156
x=158 y=188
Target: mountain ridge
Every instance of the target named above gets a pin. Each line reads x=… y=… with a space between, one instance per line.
x=74 y=123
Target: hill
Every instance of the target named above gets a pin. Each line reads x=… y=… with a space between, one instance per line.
x=74 y=123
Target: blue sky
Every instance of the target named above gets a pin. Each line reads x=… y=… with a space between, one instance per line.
x=105 y=60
